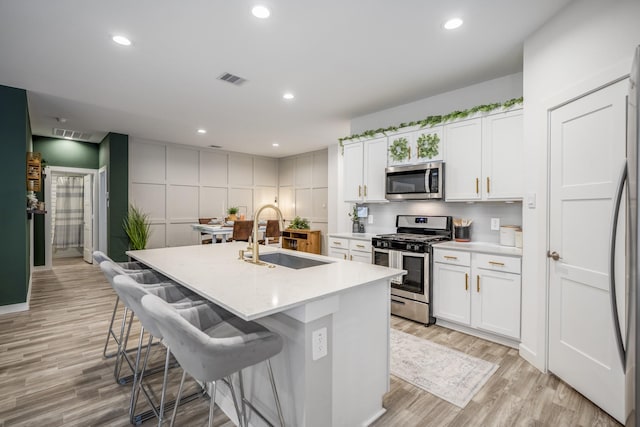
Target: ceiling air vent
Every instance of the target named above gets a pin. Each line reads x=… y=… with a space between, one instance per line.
x=72 y=134
x=231 y=78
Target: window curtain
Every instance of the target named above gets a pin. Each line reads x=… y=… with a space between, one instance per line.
x=69 y=214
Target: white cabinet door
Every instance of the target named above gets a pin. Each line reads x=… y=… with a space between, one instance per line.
x=502 y=139
x=463 y=160
x=496 y=302
x=451 y=293
x=360 y=256
x=427 y=145
x=352 y=172
x=401 y=150
x=339 y=253
x=375 y=162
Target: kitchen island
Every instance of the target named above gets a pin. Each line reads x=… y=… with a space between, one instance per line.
x=341 y=306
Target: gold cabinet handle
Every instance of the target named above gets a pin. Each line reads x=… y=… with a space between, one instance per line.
x=478 y=283
x=359 y=190
x=496 y=263
x=466 y=281
x=360 y=246
x=450 y=257
x=345 y=256
x=477 y=185
x=337 y=243
x=488 y=185
x=350 y=257
x=365 y=191
x=409 y=153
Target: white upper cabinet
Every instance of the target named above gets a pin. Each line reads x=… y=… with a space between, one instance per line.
x=502 y=137
x=483 y=158
x=364 y=166
x=463 y=160
x=419 y=146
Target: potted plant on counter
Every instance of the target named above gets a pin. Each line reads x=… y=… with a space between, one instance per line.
x=355 y=221
x=298 y=223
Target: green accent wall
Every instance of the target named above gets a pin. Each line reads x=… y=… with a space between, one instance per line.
x=65 y=153
x=15 y=140
x=114 y=154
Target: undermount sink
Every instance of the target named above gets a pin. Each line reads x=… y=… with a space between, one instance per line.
x=290 y=261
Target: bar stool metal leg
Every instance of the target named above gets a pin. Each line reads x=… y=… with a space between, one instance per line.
x=175 y=408
x=110 y=333
x=275 y=393
x=164 y=389
x=212 y=403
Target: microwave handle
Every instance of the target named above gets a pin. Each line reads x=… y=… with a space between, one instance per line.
x=427 y=181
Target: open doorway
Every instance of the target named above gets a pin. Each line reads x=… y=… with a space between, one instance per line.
x=71 y=227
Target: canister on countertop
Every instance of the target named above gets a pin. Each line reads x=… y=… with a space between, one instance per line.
x=518 y=238
x=508 y=235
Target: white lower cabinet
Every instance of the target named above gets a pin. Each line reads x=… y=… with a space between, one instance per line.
x=350 y=249
x=479 y=291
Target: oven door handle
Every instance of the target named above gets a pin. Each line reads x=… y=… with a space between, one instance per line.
x=395 y=301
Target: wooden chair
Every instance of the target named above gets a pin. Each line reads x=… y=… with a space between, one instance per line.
x=209 y=237
x=272 y=232
x=242 y=230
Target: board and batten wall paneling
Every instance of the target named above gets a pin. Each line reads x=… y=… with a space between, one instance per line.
x=285 y=172
x=303 y=170
x=319 y=176
x=182 y=166
x=213 y=169
x=177 y=184
x=240 y=170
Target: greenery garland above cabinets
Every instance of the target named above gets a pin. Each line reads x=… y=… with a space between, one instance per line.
x=432 y=121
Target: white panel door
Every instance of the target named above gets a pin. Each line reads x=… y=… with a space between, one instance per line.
x=87 y=204
x=587 y=150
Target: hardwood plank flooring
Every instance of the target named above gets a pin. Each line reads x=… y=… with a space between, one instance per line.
x=52 y=372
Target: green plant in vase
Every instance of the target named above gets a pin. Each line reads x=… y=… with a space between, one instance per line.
x=232 y=211
x=137 y=226
x=399 y=149
x=298 y=223
x=355 y=220
x=428 y=145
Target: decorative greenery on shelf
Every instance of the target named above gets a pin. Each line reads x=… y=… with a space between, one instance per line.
x=435 y=120
x=428 y=144
x=354 y=214
x=298 y=223
x=232 y=210
x=136 y=225
x=399 y=149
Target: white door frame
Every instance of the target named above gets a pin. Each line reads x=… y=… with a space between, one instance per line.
x=103 y=204
x=49 y=170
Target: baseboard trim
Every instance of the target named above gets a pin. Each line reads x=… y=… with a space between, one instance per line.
x=509 y=342
x=13 y=308
x=532 y=357
x=375 y=416
x=40 y=268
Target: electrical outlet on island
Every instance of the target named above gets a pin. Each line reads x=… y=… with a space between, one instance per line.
x=319 y=343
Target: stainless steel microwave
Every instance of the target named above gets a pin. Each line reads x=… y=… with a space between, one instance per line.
x=415 y=182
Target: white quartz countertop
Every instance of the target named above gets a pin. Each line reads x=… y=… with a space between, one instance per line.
x=251 y=291
x=482 y=247
x=354 y=236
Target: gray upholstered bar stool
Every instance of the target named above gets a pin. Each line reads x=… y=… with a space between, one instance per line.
x=128 y=267
x=131 y=292
x=213 y=345
x=145 y=278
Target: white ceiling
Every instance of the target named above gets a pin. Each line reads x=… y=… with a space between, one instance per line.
x=341 y=58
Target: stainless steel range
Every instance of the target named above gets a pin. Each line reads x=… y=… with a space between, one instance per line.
x=410 y=249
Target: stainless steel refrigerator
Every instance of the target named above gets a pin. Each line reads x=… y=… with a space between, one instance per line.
x=627 y=345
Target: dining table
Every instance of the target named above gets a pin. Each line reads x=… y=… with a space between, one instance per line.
x=221 y=230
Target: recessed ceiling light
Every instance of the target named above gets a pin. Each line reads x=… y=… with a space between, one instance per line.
x=288 y=95
x=202 y=131
x=260 y=12
x=275 y=144
x=121 y=40
x=453 y=23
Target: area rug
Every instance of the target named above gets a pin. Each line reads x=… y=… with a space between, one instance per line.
x=449 y=374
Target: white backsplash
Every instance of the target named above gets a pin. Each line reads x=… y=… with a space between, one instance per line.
x=384 y=215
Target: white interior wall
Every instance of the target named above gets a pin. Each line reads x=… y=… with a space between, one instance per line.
x=587 y=45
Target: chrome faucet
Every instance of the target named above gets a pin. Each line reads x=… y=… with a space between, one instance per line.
x=254 y=243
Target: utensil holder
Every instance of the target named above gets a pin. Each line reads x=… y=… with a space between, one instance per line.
x=462 y=233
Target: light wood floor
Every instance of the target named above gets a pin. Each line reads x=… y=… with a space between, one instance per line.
x=52 y=372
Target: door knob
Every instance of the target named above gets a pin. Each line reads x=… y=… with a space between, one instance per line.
x=553 y=255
